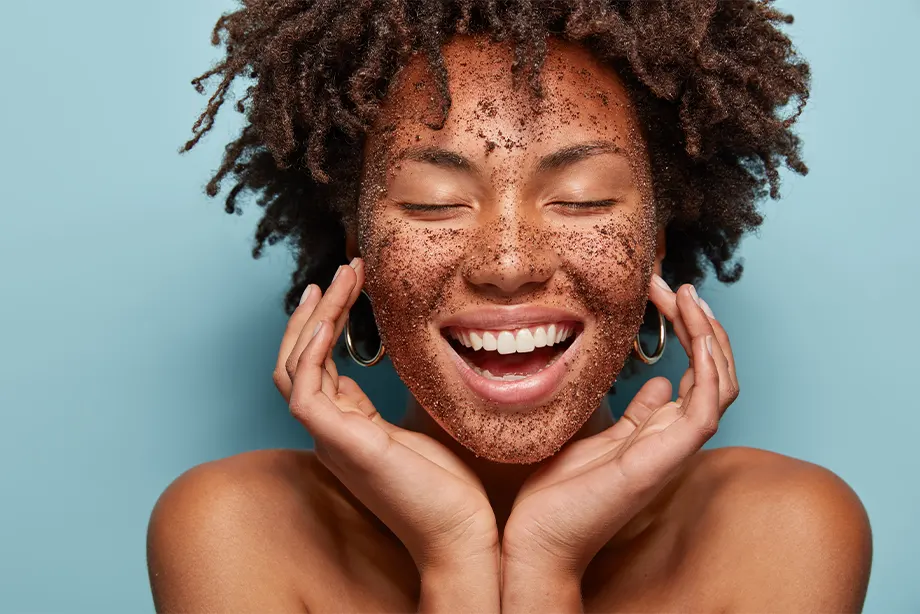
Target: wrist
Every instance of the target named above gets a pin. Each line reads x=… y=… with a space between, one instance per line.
x=473 y=545
x=539 y=583
x=535 y=557
x=468 y=582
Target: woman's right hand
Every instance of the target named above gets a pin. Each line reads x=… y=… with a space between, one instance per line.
x=423 y=492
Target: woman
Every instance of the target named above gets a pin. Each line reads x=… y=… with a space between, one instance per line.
x=514 y=185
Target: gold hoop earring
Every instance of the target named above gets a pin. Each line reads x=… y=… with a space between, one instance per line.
x=350 y=346
x=662 y=339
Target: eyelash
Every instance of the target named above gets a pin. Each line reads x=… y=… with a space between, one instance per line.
x=588 y=204
x=423 y=208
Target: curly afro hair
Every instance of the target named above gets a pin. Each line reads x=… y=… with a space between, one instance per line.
x=717 y=86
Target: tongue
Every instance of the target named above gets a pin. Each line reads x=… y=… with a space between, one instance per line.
x=513 y=364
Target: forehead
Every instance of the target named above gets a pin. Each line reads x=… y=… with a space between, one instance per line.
x=583 y=100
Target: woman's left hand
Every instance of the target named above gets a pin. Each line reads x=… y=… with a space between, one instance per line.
x=569 y=509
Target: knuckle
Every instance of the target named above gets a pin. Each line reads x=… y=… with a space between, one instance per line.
x=299 y=408
x=733 y=391
x=279 y=377
x=708 y=427
x=710 y=377
x=290 y=365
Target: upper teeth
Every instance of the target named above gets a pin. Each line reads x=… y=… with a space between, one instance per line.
x=511 y=341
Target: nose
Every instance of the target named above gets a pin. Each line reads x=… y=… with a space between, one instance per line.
x=512 y=257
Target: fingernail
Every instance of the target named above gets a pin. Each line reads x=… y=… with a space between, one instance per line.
x=696 y=297
x=709 y=344
x=354 y=263
x=661 y=283
x=319 y=325
x=706 y=308
x=339 y=270
x=306 y=294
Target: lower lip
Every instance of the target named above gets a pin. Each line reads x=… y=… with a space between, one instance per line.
x=523 y=392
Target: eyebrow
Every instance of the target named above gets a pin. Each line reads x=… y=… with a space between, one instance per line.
x=576 y=153
x=437 y=156
x=561 y=158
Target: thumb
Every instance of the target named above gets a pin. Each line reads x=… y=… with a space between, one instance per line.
x=653 y=394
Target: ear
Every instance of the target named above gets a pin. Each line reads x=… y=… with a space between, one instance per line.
x=660 y=250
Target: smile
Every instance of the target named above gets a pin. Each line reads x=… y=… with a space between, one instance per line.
x=514 y=365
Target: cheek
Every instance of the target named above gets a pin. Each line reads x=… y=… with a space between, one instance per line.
x=611 y=267
x=409 y=272
x=612 y=261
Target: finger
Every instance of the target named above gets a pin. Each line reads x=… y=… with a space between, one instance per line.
x=699 y=413
x=358 y=265
x=686 y=383
x=292 y=332
x=329 y=308
x=723 y=357
x=665 y=300
x=699 y=324
x=354 y=398
x=314 y=409
x=332 y=371
x=702 y=405
x=667 y=303
x=653 y=394
x=330 y=386
x=692 y=316
x=728 y=392
x=722 y=337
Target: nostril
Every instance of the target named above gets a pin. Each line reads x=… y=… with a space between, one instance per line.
x=511 y=271
x=513 y=283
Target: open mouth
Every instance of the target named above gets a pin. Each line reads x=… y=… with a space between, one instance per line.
x=514 y=354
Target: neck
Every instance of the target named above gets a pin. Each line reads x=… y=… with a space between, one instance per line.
x=502 y=481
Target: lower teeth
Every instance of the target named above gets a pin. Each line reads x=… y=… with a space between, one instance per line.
x=511 y=377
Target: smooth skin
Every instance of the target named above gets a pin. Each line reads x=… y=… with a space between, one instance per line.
x=596 y=529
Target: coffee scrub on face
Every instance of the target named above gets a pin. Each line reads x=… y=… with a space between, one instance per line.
x=508 y=244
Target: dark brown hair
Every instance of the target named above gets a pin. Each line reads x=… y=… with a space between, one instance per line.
x=717 y=85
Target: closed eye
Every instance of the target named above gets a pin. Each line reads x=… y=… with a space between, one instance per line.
x=421 y=207
x=586 y=204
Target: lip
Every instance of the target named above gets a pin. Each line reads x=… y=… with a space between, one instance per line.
x=518 y=394
x=507 y=318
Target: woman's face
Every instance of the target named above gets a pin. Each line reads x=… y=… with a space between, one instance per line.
x=509 y=253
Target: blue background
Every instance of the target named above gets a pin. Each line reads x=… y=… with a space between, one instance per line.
x=137 y=336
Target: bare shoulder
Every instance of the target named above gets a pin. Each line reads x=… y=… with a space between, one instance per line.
x=780 y=533
x=247 y=532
